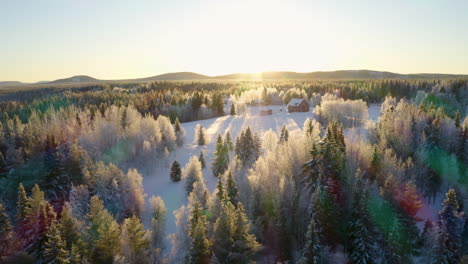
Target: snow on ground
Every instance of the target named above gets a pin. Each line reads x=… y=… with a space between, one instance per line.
x=157 y=182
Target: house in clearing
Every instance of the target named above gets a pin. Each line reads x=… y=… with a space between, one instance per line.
x=298 y=105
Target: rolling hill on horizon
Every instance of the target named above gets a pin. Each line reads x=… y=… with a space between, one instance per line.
x=269 y=75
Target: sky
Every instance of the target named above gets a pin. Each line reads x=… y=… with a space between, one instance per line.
x=45 y=40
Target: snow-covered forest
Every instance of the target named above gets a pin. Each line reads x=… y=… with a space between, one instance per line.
x=201 y=172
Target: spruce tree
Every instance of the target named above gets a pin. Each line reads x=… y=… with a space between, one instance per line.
x=231 y=189
x=221 y=160
x=54 y=247
x=75 y=256
x=69 y=229
x=245 y=245
x=176 y=172
x=6 y=232
x=22 y=205
x=361 y=236
x=135 y=241
x=199 y=251
x=313 y=249
x=449 y=230
x=228 y=141
x=233 y=109
x=200 y=135
x=223 y=232
x=284 y=135
x=201 y=157
x=457 y=119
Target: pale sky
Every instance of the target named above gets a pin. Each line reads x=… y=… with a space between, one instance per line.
x=120 y=39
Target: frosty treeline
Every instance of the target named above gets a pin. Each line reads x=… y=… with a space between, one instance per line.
x=70 y=193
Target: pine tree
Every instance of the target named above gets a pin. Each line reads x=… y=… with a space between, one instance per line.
x=176 y=172
x=228 y=141
x=135 y=241
x=233 y=109
x=199 y=252
x=22 y=205
x=449 y=230
x=54 y=247
x=200 y=135
x=69 y=229
x=313 y=249
x=104 y=233
x=221 y=160
x=75 y=256
x=158 y=223
x=361 y=235
x=457 y=119
x=245 y=245
x=284 y=135
x=6 y=232
x=231 y=189
x=224 y=232
x=201 y=157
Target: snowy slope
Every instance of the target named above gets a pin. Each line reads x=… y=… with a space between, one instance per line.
x=158 y=183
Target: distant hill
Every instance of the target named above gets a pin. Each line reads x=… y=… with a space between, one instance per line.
x=11 y=83
x=76 y=79
x=175 y=76
x=271 y=75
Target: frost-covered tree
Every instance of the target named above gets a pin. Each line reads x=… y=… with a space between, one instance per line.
x=192 y=173
x=245 y=244
x=284 y=135
x=223 y=232
x=199 y=251
x=158 y=226
x=248 y=147
x=228 y=141
x=135 y=241
x=221 y=157
x=180 y=132
x=54 y=247
x=176 y=172
x=103 y=231
x=136 y=195
x=200 y=134
x=449 y=242
x=361 y=234
x=312 y=252
x=201 y=157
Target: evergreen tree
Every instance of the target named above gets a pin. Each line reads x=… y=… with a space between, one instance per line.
x=176 y=172
x=228 y=141
x=361 y=236
x=22 y=205
x=457 y=119
x=449 y=230
x=69 y=230
x=199 y=251
x=54 y=247
x=179 y=132
x=201 y=157
x=75 y=256
x=245 y=245
x=6 y=232
x=284 y=135
x=158 y=223
x=135 y=241
x=224 y=232
x=231 y=189
x=312 y=252
x=233 y=109
x=221 y=160
x=200 y=135
x=104 y=233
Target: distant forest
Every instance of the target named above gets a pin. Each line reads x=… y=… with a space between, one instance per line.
x=71 y=182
